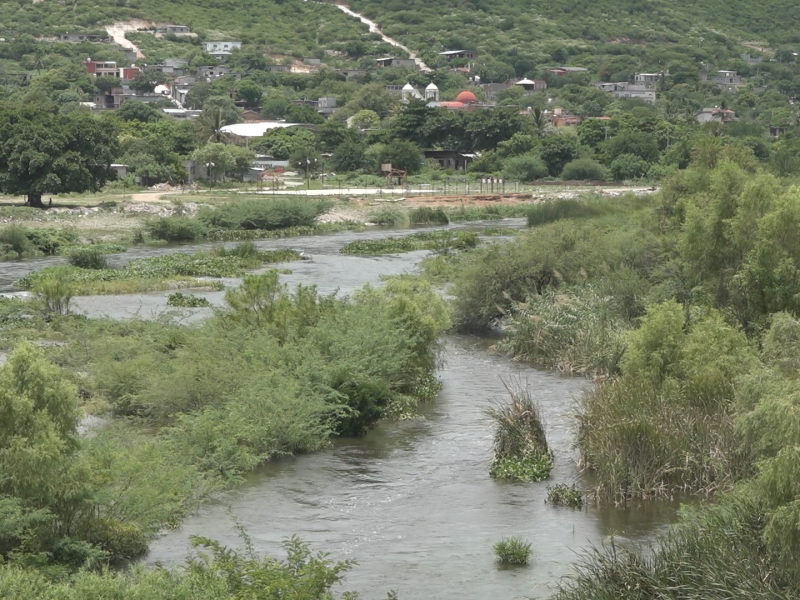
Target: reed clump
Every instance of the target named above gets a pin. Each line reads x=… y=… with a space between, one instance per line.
x=521 y=452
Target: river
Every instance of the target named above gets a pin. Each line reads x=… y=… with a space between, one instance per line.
x=412 y=501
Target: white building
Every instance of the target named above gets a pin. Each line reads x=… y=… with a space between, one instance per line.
x=432 y=92
x=212 y=47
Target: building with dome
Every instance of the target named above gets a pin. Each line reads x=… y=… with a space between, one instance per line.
x=466 y=98
x=432 y=92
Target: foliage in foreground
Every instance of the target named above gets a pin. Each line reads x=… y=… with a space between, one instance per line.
x=512 y=551
x=212 y=572
x=521 y=452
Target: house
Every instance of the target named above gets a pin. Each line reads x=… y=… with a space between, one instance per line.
x=326 y=106
x=777 y=131
x=211 y=47
x=649 y=78
x=212 y=72
x=101 y=68
x=728 y=81
x=118 y=96
x=716 y=115
x=566 y=70
x=314 y=62
x=623 y=89
x=120 y=169
x=171 y=66
x=351 y=74
x=395 y=89
x=451 y=159
x=74 y=38
x=561 y=119
x=751 y=60
x=220 y=55
x=395 y=62
x=177 y=29
x=454 y=54
x=277 y=68
x=109 y=68
x=531 y=85
x=182 y=114
x=492 y=89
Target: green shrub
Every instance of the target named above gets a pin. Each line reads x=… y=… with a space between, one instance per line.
x=265 y=214
x=427 y=216
x=55 y=291
x=520 y=445
x=14 y=241
x=513 y=551
x=565 y=495
x=584 y=169
x=387 y=216
x=629 y=166
x=51 y=241
x=525 y=168
x=88 y=258
x=176 y=229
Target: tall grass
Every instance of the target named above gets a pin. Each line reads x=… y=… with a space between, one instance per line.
x=580 y=208
x=176 y=229
x=427 y=216
x=717 y=554
x=520 y=444
x=265 y=214
x=88 y=258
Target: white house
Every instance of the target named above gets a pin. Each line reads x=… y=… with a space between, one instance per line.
x=212 y=47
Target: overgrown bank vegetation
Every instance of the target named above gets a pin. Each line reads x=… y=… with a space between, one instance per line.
x=683 y=308
x=276 y=372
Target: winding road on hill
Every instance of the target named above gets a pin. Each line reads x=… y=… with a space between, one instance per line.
x=373 y=28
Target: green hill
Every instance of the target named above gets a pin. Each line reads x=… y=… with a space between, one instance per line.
x=598 y=34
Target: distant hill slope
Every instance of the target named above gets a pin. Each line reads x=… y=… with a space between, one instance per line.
x=289 y=26
x=540 y=31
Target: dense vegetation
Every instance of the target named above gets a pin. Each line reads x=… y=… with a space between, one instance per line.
x=276 y=372
x=682 y=306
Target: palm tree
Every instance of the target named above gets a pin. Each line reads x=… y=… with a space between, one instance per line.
x=540 y=122
x=38 y=61
x=212 y=120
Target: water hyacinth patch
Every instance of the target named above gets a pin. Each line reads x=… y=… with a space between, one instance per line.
x=181 y=300
x=565 y=495
x=171 y=271
x=440 y=241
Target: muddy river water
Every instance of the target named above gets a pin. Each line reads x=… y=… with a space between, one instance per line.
x=412 y=502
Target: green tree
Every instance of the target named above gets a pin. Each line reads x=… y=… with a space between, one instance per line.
x=349 y=156
x=216 y=158
x=249 y=91
x=402 y=155
x=366 y=119
x=628 y=166
x=134 y=110
x=146 y=80
x=557 y=151
x=54 y=153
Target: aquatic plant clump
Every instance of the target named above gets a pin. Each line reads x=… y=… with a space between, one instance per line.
x=521 y=452
x=439 y=241
x=88 y=258
x=236 y=235
x=181 y=300
x=513 y=551
x=565 y=495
